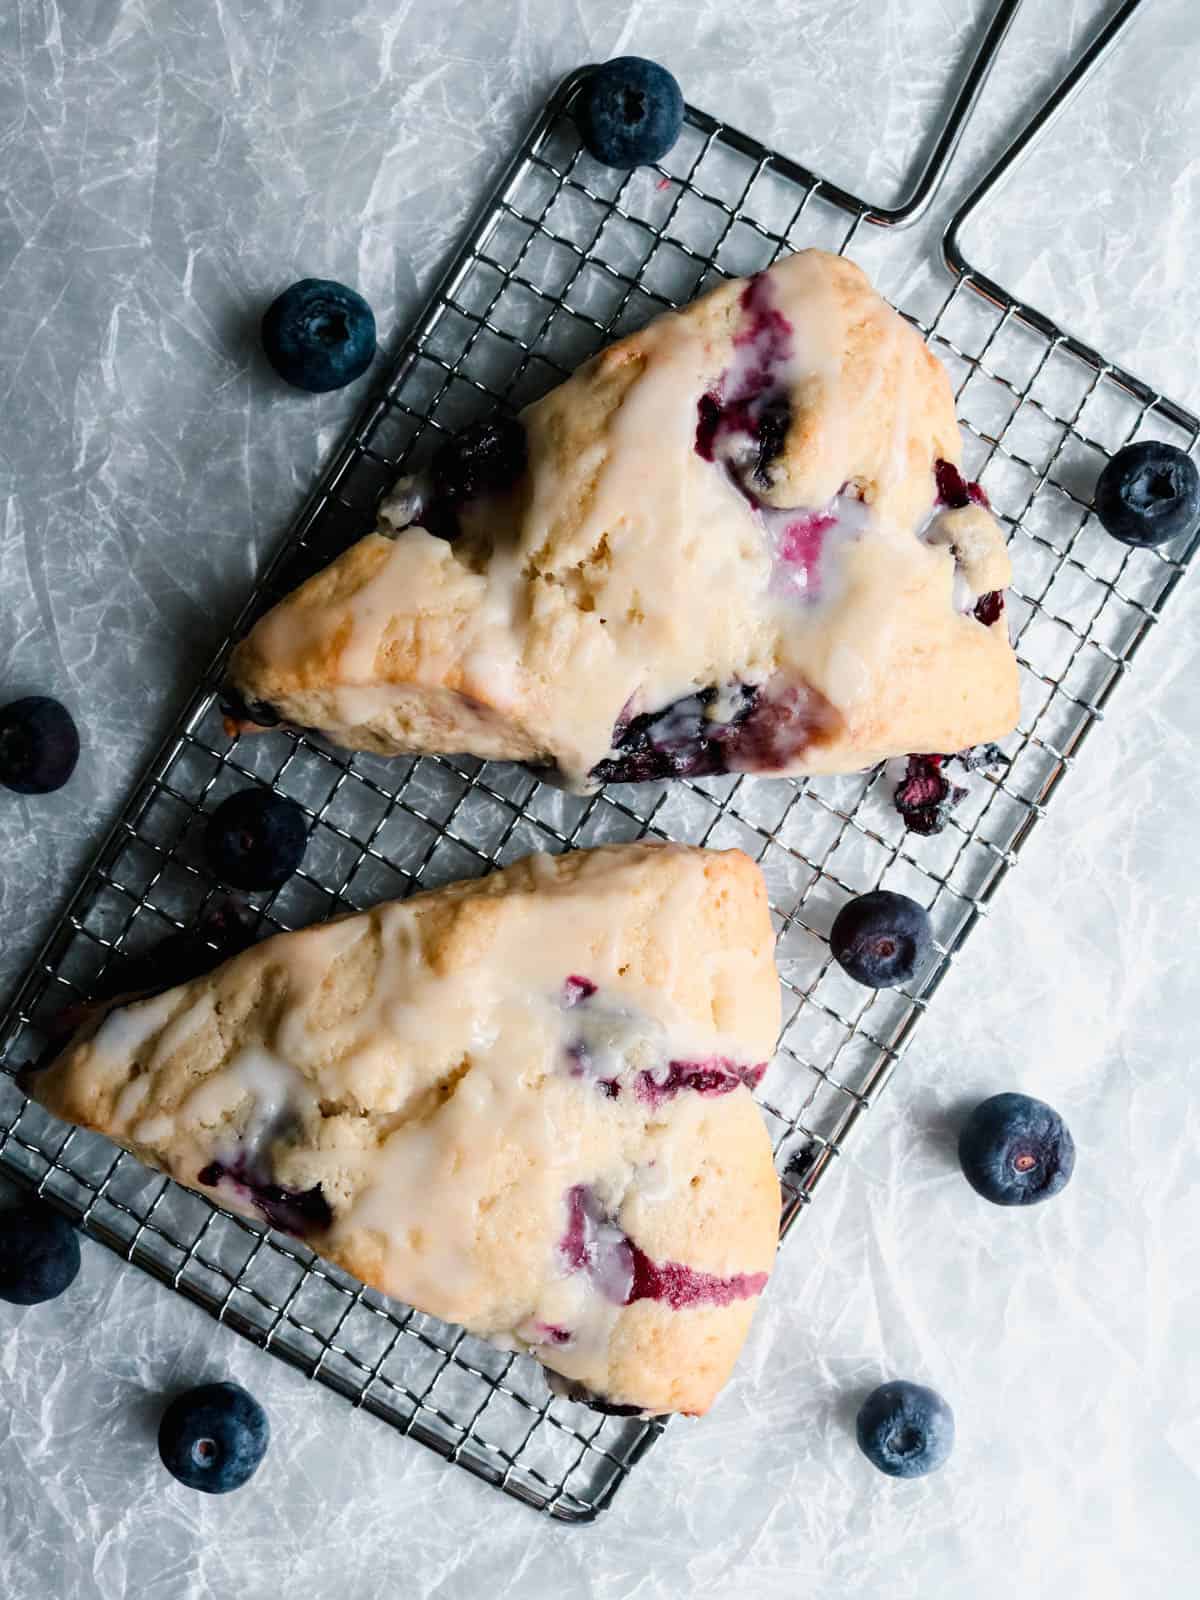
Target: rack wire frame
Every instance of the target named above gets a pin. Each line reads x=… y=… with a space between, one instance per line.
x=565 y=256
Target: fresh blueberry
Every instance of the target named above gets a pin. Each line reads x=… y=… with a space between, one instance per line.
x=630 y=112
x=256 y=839
x=882 y=938
x=1148 y=493
x=39 y=1254
x=39 y=745
x=214 y=1438
x=905 y=1429
x=319 y=335
x=1015 y=1150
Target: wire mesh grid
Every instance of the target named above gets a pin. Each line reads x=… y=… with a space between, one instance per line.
x=566 y=256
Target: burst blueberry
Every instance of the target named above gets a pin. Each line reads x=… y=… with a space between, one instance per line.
x=214 y=1437
x=679 y=741
x=926 y=796
x=256 y=839
x=882 y=938
x=295 y=1211
x=319 y=335
x=486 y=458
x=39 y=1254
x=1015 y=1150
x=905 y=1429
x=954 y=491
x=771 y=427
x=630 y=112
x=1149 y=493
x=39 y=745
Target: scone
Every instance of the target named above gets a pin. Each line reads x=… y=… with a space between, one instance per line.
x=519 y=1104
x=737 y=540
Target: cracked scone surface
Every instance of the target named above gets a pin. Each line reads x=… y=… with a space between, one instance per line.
x=731 y=550
x=518 y=1103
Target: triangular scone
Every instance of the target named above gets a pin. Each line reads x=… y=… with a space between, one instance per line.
x=518 y=1103
x=740 y=543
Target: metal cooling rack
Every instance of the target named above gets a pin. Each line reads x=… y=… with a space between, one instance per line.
x=565 y=256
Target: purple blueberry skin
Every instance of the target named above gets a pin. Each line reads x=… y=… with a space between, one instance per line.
x=905 y=1429
x=679 y=741
x=39 y=745
x=214 y=1438
x=1015 y=1150
x=295 y=1211
x=486 y=458
x=882 y=939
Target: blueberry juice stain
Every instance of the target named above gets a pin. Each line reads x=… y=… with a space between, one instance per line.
x=768 y=727
x=743 y=423
x=715 y=1075
x=602 y=1039
x=295 y=1211
x=750 y=400
x=623 y=1273
x=954 y=492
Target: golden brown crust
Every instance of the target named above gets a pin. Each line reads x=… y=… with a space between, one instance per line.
x=413 y=1062
x=625 y=570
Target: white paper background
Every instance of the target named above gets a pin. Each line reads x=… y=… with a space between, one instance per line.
x=166 y=168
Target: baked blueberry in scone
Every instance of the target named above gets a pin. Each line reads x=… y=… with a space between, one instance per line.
x=737 y=540
x=520 y=1104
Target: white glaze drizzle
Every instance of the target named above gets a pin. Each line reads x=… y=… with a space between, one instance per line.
x=654 y=512
x=497 y=1037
